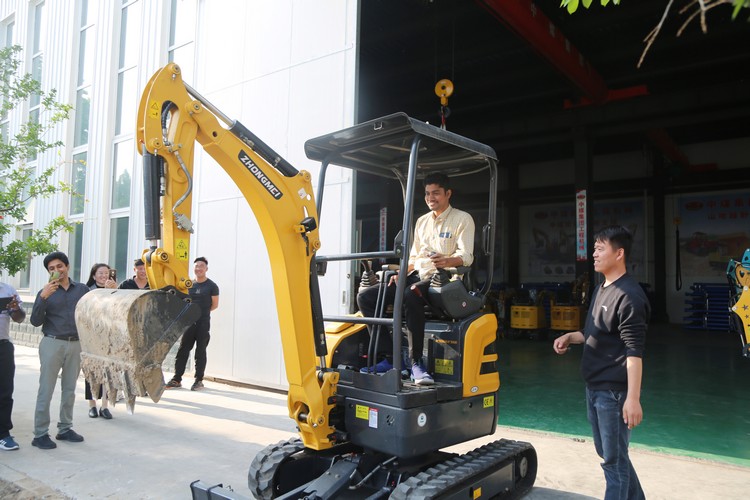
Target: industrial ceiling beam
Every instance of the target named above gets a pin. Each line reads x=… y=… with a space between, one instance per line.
x=523 y=18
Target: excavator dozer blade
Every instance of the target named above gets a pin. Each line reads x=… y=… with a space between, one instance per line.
x=126 y=334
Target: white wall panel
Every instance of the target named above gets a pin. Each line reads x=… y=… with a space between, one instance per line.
x=251 y=75
x=286 y=70
x=267 y=46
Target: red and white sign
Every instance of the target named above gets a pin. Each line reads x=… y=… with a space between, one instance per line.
x=581 y=250
x=383 y=228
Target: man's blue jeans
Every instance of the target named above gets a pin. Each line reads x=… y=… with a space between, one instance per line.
x=611 y=438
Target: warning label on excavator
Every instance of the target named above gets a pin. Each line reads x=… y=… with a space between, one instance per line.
x=369 y=414
x=362 y=412
x=444 y=366
x=489 y=402
x=181 y=249
x=154 y=110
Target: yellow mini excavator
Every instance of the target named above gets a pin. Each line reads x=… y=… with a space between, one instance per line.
x=361 y=435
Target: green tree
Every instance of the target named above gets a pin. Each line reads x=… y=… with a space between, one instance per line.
x=19 y=182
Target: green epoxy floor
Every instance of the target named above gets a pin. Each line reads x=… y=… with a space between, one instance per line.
x=695 y=396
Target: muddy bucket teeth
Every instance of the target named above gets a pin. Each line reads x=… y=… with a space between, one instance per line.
x=125 y=336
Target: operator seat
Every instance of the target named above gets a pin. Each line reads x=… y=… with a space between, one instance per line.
x=450 y=298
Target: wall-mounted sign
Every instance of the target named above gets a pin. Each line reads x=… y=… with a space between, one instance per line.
x=383 y=229
x=581 y=250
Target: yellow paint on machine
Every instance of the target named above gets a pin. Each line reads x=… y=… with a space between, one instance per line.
x=479 y=336
x=476 y=493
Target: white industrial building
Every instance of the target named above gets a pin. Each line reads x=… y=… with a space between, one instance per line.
x=285 y=69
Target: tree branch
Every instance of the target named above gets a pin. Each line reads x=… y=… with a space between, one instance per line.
x=701 y=8
x=654 y=33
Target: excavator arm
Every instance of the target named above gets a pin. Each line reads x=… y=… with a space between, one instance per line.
x=172 y=117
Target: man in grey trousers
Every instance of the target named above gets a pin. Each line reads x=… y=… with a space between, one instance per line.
x=54 y=310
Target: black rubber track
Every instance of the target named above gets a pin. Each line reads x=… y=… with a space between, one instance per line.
x=433 y=482
x=260 y=476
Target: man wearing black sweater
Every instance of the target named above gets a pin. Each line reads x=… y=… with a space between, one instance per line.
x=612 y=366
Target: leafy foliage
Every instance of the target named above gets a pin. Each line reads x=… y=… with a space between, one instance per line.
x=572 y=5
x=19 y=182
x=692 y=9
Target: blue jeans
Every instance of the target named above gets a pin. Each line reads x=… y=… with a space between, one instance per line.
x=611 y=438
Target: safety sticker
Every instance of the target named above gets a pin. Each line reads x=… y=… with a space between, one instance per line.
x=154 y=110
x=362 y=412
x=373 y=420
x=444 y=366
x=477 y=493
x=182 y=249
x=489 y=402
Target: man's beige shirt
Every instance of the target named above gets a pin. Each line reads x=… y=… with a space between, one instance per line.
x=450 y=234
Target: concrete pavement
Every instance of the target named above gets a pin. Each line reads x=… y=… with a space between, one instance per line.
x=214 y=434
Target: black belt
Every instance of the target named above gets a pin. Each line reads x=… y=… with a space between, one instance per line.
x=62 y=337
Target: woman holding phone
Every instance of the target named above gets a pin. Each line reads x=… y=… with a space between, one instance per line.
x=101 y=276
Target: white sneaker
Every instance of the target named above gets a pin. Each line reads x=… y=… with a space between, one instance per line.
x=420 y=376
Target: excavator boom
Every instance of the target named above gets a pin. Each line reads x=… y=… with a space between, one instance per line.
x=172 y=117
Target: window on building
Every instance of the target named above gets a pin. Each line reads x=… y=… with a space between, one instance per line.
x=118 y=244
x=78 y=183
x=125 y=106
x=127 y=72
x=8 y=27
x=75 y=250
x=86 y=46
x=7 y=41
x=37 y=58
x=122 y=174
x=25 y=274
x=182 y=24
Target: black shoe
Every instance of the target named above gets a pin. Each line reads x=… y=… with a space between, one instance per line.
x=173 y=384
x=69 y=435
x=44 y=443
x=104 y=413
x=197 y=386
x=92 y=412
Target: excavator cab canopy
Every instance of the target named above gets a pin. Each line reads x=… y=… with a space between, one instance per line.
x=403 y=148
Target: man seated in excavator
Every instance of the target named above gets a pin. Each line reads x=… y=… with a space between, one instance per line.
x=443 y=238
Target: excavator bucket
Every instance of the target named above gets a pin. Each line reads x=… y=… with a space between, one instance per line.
x=126 y=334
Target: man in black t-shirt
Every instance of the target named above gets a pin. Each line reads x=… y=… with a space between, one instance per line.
x=139 y=281
x=612 y=363
x=205 y=293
